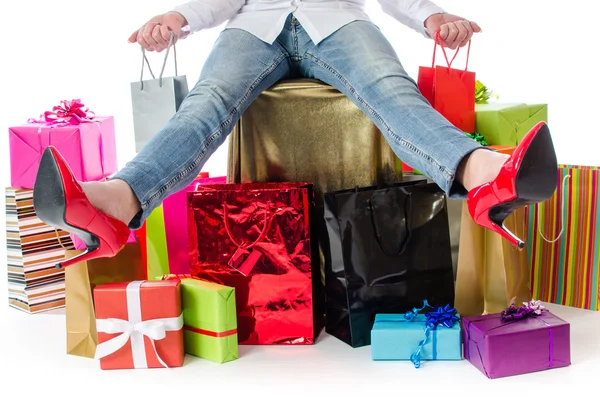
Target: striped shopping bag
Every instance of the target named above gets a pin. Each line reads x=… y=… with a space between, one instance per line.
x=564 y=241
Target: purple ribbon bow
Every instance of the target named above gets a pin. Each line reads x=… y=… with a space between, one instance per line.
x=529 y=309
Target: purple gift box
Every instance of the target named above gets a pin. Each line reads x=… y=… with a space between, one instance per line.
x=500 y=349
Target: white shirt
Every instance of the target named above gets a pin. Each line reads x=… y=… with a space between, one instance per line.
x=266 y=18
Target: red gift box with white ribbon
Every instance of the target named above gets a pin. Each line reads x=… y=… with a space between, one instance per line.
x=139 y=324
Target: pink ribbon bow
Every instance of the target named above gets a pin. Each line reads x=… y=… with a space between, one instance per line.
x=67 y=113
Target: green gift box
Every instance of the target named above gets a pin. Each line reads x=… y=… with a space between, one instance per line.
x=210 y=322
x=506 y=124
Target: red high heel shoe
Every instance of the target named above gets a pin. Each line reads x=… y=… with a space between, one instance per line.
x=529 y=176
x=59 y=201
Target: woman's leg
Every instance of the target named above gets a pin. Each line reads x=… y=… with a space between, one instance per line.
x=238 y=69
x=360 y=62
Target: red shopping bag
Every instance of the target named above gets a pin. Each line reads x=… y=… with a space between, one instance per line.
x=256 y=238
x=450 y=91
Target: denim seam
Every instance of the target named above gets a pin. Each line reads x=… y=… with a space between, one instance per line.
x=216 y=133
x=401 y=140
x=296 y=57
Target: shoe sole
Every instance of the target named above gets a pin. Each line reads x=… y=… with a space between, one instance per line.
x=50 y=204
x=536 y=179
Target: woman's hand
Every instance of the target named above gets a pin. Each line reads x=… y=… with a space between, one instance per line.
x=156 y=33
x=454 y=30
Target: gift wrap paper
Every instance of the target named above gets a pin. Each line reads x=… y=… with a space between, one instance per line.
x=509 y=150
x=88 y=148
x=140 y=303
x=565 y=265
x=500 y=349
x=209 y=315
x=507 y=124
x=81 y=279
x=395 y=338
x=492 y=273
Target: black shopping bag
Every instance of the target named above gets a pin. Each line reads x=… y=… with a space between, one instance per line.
x=389 y=248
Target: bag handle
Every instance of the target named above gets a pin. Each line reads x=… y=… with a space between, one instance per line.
x=407 y=211
x=562 y=216
x=59 y=239
x=262 y=234
x=146 y=62
x=438 y=41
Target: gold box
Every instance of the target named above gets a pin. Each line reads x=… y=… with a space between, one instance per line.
x=305 y=130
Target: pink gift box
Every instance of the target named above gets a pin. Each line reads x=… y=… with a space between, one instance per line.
x=89 y=149
x=176 y=224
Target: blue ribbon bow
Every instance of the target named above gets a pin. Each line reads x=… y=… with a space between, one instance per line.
x=445 y=316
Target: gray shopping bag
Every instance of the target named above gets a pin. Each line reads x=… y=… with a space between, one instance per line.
x=155 y=101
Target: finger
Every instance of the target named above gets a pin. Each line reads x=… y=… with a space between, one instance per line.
x=157 y=36
x=133 y=37
x=165 y=32
x=147 y=36
x=475 y=27
x=463 y=33
x=141 y=41
x=452 y=35
x=469 y=29
x=444 y=32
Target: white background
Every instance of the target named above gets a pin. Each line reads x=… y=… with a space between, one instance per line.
x=535 y=51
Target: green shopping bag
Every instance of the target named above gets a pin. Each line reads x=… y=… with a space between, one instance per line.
x=157 y=259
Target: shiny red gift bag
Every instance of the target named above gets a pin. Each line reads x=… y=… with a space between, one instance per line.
x=257 y=238
x=450 y=91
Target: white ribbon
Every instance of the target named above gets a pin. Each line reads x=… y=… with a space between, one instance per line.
x=135 y=329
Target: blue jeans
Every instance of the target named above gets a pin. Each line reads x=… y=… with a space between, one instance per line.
x=357 y=60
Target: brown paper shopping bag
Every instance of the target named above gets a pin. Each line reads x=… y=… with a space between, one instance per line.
x=491 y=272
x=80 y=280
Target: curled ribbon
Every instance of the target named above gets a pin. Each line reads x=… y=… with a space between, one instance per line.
x=477 y=137
x=135 y=329
x=411 y=315
x=529 y=309
x=482 y=93
x=71 y=112
x=445 y=316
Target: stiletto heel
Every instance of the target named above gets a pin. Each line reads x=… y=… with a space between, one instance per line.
x=529 y=176
x=60 y=202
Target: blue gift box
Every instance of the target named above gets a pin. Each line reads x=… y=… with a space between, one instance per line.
x=395 y=338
